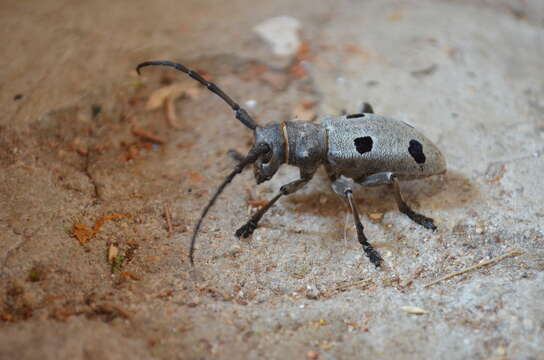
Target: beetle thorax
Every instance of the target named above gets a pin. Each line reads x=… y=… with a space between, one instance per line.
x=306 y=144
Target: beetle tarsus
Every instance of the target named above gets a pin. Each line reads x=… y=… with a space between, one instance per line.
x=424 y=221
x=246 y=230
x=373 y=255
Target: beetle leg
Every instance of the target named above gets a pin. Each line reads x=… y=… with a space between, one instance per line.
x=287 y=189
x=367 y=108
x=404 y=208
x=382 y=178
x=343 y=187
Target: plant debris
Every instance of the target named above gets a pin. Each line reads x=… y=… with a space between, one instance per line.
x=257 y=203
x=304 y=111
x=117 y=263
x=425 y=72
x=168 y=217
x=414 y=310
x=147 y=135
x=37 y=273
x=172 y=92
x=170 y=114
x=511 y=253
x=113 y=251
x=376 y=217
x=83 y=233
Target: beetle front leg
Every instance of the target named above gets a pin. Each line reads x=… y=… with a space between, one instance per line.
x=247 y=229
x=424 y=221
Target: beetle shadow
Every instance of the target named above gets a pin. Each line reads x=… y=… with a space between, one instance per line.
x=451 y=190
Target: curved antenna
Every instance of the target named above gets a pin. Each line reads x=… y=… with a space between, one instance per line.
x=241 y=114
x=251 y=157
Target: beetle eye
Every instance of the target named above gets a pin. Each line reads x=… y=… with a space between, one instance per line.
x=267 y=156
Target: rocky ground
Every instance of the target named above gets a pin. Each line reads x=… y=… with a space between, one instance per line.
x=104 y=173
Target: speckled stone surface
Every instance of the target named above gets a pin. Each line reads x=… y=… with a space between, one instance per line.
x=468 y=74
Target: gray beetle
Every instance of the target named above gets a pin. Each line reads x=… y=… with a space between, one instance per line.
x=362 y=148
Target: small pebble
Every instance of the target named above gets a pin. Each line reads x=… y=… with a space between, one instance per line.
x=281 y=33
x=251 y=103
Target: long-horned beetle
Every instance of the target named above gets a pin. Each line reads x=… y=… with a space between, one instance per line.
x=363 y=148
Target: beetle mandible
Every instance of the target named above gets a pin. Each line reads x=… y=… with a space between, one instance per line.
x=363 y=148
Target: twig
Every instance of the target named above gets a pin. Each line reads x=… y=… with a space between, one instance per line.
x=510 y=253
x=168 y=217
x=346 y=285
x=146 y=135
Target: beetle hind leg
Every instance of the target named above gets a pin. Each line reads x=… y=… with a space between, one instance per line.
x=342 y=187
x=424 y=221
x=389 y=178
x=367 y=108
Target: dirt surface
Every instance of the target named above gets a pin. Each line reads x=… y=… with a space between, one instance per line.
x=100 y=192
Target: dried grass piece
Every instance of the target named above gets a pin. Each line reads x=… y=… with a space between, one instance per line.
x=511 y=253
x=414 y=310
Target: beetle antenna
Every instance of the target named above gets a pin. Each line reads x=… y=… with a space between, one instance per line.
x=251 y=157
x=241 y=114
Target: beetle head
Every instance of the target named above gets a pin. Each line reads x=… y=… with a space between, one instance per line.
x=267 y=165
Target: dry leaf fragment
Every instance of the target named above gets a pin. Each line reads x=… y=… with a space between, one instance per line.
x=128 y=274
x=84 y=233
x=170 y=114
x=414 y=310
x=375 y=216
x=172 y=91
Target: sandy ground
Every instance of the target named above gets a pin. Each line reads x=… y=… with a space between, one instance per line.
x=79 y=148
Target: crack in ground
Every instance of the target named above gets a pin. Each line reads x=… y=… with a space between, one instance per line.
x=89 y=174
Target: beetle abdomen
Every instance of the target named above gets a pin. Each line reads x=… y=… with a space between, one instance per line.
x=370 y=144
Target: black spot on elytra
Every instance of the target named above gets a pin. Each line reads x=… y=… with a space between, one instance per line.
x=354 y=116
x=363 y=144
x=416 y=150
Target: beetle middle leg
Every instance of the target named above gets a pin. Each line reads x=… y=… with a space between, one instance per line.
x=342 y=187
x=287 y=189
